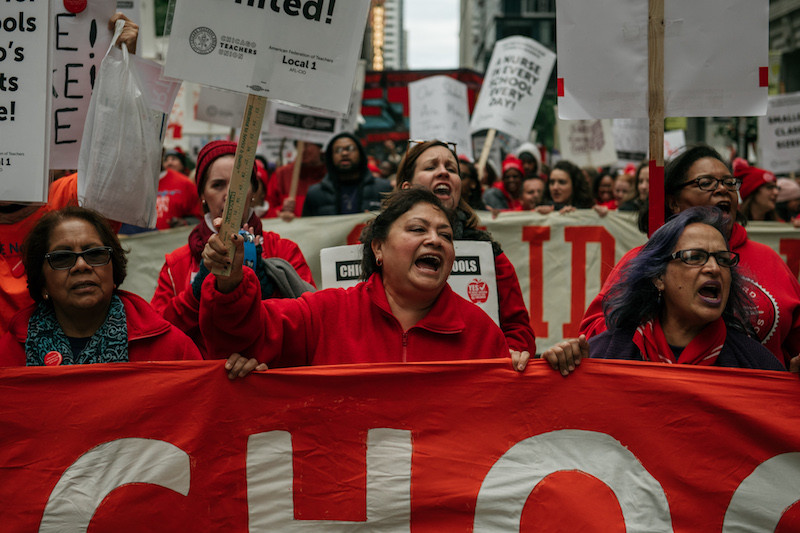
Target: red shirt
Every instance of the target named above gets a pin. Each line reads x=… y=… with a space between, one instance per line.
x=281 y=182
x=177 y=197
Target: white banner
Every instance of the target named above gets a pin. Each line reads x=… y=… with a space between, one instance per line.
x=24 y=104
x=299 y=51
x=587 y=142
x=438 y=109
x=301 y=124
x=779 y=134
x=512 y=89
x=561 y=260
x=79 y=43
x=715 y=58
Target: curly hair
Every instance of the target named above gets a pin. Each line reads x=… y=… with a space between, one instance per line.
x=633 y=300
x=37 y=244
x=581 y=194
x=394 y=206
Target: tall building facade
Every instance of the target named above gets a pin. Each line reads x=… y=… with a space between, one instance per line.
x=784 y=42
x=385 y=39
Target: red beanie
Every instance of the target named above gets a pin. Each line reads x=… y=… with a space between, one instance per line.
x=512 y=162
x=752 y=177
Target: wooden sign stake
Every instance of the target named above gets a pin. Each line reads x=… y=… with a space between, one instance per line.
x=655 y=103
x=487 y=148
x=288 y=216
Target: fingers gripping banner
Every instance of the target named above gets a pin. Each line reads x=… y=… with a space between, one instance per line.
x=416 y=447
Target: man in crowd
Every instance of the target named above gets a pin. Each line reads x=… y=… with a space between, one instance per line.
x=177 y=203
x=349 y=186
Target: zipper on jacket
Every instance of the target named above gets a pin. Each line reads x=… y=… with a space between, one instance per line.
x=405 y=345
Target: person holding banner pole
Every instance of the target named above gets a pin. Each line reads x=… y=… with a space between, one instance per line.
x=403 y=311
x=434 y=165
x=699 y=177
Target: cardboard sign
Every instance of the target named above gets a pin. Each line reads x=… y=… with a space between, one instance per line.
x=674 y=142
x=512 y=90
x=587 y=142
x=715 y=58
x=301 y=124
x=439 y=110
x=80 y=42
x=24 y=105
x=631 y=139
x=302 y=52
x=472 y=278
x=779 y=134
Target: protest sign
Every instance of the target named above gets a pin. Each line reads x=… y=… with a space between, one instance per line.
x=301 y=124
x=24 y=105
x=512 y=89
x=423 y=447
x=715 y=58
x=587 y=142
x=674 y=142
x=277 y=150
x=779 y=134
x=438 y=109
x=225 y=108
x=630 y=138
x=299 y=52
x=79 y=41
x=131 y=9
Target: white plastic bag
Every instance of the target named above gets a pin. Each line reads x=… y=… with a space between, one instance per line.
x=120 y=155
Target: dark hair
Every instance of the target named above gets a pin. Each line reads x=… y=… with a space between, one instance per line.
x=581 y=196
x=746 y=209
x=37 y=244
x=633 y=300
x=527 y=157
x=675 y=173
x=206 y=158
x=394 y=206
x=596 y=183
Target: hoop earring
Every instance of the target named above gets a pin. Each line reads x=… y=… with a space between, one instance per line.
x=379 y=262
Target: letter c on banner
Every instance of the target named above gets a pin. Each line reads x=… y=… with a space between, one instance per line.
x=506 y=487
x=106 y=467
x=762 y=498
x=270 y=476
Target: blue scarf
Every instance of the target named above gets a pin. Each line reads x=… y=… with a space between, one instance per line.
x=109 y=344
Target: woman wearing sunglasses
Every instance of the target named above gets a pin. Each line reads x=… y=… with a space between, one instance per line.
x=680 y=300
x=75 y=264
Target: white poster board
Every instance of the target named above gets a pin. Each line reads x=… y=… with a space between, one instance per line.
x=674 y=142
x=512 y=89
x=714 y=53
x=438 y=109
x=24 y=106
x=587 y=143
x=473 y=276
x=225 y=108
x=301 y=124
x=131 y=9
x=631 y=136
x=79 y=43
x=303 y=52
x=779 y=134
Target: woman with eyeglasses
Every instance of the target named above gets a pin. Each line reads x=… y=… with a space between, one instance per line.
x=433 y=165
x=680 y=300
x=699 y=177
x=75 y=264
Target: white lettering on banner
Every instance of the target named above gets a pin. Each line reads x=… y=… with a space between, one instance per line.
x=513 y=477
x=270 y=476
x=763 y=496
x=85 y=484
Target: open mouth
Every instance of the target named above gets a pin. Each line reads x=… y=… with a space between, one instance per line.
x=429 y=263
x=442 y=190
x=711 y=293
x=725 y=207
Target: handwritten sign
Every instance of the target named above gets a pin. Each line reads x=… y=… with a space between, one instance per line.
x=439 y=110
x=303 y=52
x=779 y=134
x=587 y=142
x=79 y=41
x=23 y=105
x=512 y=90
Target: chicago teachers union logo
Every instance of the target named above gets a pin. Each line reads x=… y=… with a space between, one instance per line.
x=203 y=40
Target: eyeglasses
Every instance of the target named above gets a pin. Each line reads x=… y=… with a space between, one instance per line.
x=345 y=149
x=64 y=259
x=707 y=183
x=450 y=145
x=697 y=257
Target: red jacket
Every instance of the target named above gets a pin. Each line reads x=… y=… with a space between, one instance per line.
x=768 y=282
x=174 y=300
x=280 y=185
x=341 y=326
x=514 y=319
x=177 y=198
x=150 y=337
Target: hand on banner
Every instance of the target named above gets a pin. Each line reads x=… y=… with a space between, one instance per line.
x=566 y=355
x=519 y=360
x=215 y=256
x=130 y=33
x=600 y=210
x=794 y=364
x=566 y=209
x=238 y=366
x=544 y=209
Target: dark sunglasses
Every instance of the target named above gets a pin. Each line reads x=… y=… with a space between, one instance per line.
x=64 y=259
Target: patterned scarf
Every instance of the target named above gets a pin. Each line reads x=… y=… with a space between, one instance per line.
x=46 y=340
x=702 y=350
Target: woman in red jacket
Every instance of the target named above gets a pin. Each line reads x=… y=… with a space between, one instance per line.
x=404 y=312
x=434 y=166
x=75 y=263
x=174 y=298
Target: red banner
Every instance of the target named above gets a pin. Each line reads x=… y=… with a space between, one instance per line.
x=617 y=446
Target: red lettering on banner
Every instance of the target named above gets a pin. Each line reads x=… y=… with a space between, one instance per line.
x=354 y=237
x=790 y=248
x=580 y=237
x=536 y=236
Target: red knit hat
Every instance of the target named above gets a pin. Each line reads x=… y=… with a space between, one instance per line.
x=512 y=162
x=210 y=153
x=752 y=177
